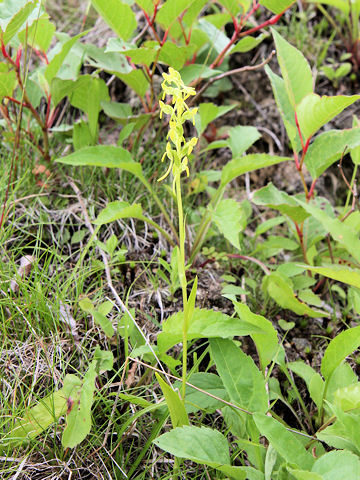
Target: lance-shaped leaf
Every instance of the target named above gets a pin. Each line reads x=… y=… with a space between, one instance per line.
x=285 y=108
x=284 y=442
x=340 y=273
x=242 y=379
x=175 y=405
x=281 y=201
x=103 y=156
x=295 y=70
x=248 y=163
x=314 y=111
x=11 y=28
x=338 y=349
x=328 y=147
x=204 y=324
x=339 y=232
x=280 y=291
x=118 y=15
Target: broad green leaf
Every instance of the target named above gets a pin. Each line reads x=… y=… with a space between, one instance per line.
x=305 y=475
x=281 y=201
x=241 y=138
x=173 y=55
x=116 y=110
x=228 y=218
x=328 y=147
x=201 y=445
x=42 y=415
x=338 y=464
x=280 y=291
x=340 y=273
x=232 y=6
x=88 y=92
x=17 y=21
x=338 y=349
x=104 y=323
x=245 y=384
x=204 y=324
x=82 y=136
x=55 y=64
x=103 y=156
x=355 y=152
x=119 y=16
x=277 y=6
x=295 y=70
x=217 y=38
x=104 y=359
x=348 y=398
x=39 y=34
x=207 y=113
x=7 y=84
x=79 y=418
x=339 y=232
x=171 y=10
x=136 y=80
x=195 y=71
x=118 y=209
x=267 y=341
x=285 y=108
x=209 y=382
x=107 y=60
x=314 y=111
x=142 y=55
x=284 y=442
x=248 y=163
x=339 y=436
x=247 y=43
x=175 y=405
x=146 y=5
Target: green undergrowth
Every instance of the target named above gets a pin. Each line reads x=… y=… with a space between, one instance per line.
x=165 y=312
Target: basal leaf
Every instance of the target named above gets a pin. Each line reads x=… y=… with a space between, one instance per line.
x=284 y=442
x=314 y=111
x=295 y=70
x=204 y=324
x=103 y=156
x=117 y=210
x=328 y=147
x=44 y=413
x=248 y=163
x=242 y=379
x=201 y=445
x=104 y=323
x=118 y=15
x=338 y=349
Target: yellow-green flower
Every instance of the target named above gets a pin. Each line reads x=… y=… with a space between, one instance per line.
x=179 y=113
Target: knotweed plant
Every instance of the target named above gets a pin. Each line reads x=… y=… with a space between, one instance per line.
x=177 y=152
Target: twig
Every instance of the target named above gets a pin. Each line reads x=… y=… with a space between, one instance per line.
x=231 y=72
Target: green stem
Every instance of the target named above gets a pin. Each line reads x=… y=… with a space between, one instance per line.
x=161 y=230
x=182 y=278
x=148 y=186
x=351 y=185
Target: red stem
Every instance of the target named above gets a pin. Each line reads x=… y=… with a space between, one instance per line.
x=271 y=21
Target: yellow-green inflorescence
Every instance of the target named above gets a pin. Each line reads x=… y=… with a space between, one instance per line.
x=179 y=113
